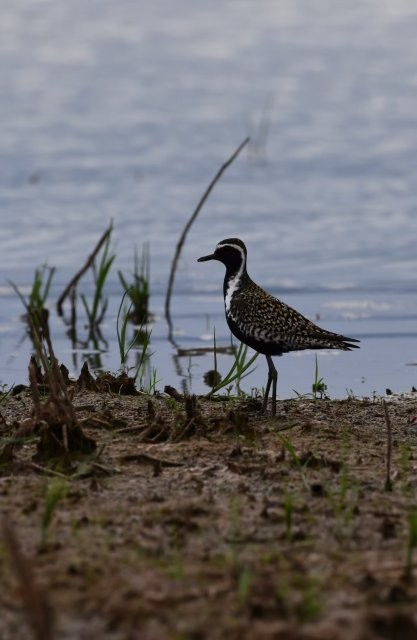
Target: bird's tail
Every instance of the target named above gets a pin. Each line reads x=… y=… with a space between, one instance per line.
x=329 y=340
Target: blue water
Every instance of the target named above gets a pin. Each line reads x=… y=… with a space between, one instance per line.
x=126 y=110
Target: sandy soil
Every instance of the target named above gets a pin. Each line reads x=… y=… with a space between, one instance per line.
x=208 y=521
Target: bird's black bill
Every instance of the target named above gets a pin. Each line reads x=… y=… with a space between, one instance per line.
x=204 y=258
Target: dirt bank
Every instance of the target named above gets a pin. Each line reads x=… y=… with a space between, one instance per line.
x=207 y=521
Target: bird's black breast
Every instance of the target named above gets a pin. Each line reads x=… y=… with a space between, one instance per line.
x=262 y=346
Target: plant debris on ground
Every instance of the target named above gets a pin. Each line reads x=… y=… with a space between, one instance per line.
x=199 y=519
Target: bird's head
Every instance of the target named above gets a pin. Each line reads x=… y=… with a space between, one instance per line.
x=232 y=252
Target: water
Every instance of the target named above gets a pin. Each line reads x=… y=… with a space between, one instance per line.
x=126 y=110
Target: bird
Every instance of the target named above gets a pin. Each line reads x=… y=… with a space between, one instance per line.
x=261 y=321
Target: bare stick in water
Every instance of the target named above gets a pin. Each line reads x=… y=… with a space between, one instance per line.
x=187 y=228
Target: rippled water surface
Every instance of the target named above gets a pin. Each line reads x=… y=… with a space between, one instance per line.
x=126 y=110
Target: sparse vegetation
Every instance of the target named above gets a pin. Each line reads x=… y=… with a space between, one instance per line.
x=138 y=289
x=122 y=322
x=56 y=490
x=142 y=360
x=244 y=586
x=96 y=310
x=98 y=264
x=35 y=304
x=238 y=371
x=319 y=387
x=140 y=344
x=40 y=291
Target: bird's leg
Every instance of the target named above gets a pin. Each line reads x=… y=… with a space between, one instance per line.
x=268 y=386
x=272 y=378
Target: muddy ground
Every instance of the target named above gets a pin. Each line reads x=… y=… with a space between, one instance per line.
x=211 y=522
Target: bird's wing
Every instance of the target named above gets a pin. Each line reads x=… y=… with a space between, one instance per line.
x=264 y=317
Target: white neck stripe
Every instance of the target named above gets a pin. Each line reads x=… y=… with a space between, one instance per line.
x=233 y=283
